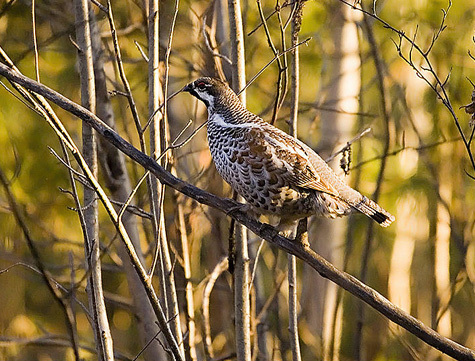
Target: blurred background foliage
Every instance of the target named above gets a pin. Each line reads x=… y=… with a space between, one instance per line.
x=425 y=262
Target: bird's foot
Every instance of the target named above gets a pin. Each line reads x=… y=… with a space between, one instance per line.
x=297 y=233
x=243 y=207
x=301 y=235
x=302 y=238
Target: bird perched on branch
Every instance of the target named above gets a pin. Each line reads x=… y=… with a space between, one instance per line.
x=275 y=173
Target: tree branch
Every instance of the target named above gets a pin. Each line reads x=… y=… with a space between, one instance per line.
x=230 y=207
x=40 y=103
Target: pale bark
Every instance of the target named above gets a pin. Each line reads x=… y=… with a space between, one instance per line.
x=399 y=279
x=190 y=348
x=442 y=252
x=217 y=271
x=103 y=338
x=241 y=270
x=343 y=84
x=117 y=181
x=293 y=124
x=158 y=142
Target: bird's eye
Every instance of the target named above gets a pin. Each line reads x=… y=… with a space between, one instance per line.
x=201 y=85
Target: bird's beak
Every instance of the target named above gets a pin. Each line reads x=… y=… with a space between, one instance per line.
x=188 y=88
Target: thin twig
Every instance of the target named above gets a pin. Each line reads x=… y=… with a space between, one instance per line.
x=254 y=268
x=123 y=77
x=151 y=117
x=242 y=307
x=89 y=216
x=56 y=284
x=141 y=51
x=348 y=144
x=438 y=83
x=18 y=98
x=284 y=4
x=35 y=42
x=53 y=341
x=271 y=61
x=297 y=12
x=280 y=64
x=208 y=45
x=217 y=271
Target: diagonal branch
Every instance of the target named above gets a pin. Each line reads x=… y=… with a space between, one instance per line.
x=40 y=104
x=233 y=209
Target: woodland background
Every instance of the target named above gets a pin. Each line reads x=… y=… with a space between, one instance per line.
x=355 y=74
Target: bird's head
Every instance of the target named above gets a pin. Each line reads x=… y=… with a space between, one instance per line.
x=209 y=90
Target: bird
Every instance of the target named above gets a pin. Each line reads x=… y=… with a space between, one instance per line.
x=277 y=174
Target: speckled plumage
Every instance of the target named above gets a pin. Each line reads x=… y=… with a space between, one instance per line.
x=274 y=172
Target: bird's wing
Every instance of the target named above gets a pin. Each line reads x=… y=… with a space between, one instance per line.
x=301 y=171
x=308 y=173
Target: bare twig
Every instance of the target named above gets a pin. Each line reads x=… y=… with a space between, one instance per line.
x=383 y=98
x=190 y=348
x=89 y=215
x=256 y=259
x=18 y=97
x=208 y=45
x=123 y=77
x=270 y=62
x=118 y=181
x=348 y=145
x=35 y=42
x=403 y=148
x=151 y=117
x=51 y=340
x=278 y=8
x=217 y=271
x=279 y=54
x=141 y=51
x=281 y=63
x=158 y=141
x=438 y=85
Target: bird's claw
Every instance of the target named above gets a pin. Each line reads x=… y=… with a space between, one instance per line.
x=243 y=207
x=302 y=238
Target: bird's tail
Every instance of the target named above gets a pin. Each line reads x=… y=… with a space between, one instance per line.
x=374 y=211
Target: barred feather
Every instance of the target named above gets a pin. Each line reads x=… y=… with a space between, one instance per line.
x=276 y=173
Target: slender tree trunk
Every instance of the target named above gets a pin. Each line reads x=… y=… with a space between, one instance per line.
x=190 y=304
x=336 y=127
x=103 y=338
x=293 y=123
x=358 y=351
x=399 y=280
x=158 y=142
x=241 y=271
x=117 y=181
x=442 y=249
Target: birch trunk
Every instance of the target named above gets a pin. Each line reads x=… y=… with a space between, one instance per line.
x=102 y=335
x=343 y=86
x=241 y=272
x=118 y=182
